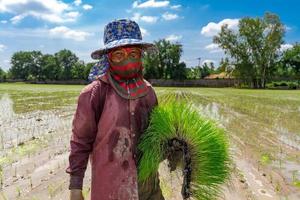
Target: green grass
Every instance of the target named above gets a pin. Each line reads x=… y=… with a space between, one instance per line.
x=31 y=97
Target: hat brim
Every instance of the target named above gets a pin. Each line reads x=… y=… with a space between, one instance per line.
x=148 y=47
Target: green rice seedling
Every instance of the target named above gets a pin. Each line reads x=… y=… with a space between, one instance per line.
x=18 y=190
x=165 y=189
x=265 y=159
x=176 y=128
x=85 y=192
x=51 y=190
x=1 y=177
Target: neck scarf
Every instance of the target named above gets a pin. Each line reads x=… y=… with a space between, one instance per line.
x=126 y=78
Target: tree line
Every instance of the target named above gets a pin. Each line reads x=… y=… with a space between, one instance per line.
x=165 y=64
x=65 y=65
x=36 y=66
x=252 y=55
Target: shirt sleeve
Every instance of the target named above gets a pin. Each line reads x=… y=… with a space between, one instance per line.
x=84 y=131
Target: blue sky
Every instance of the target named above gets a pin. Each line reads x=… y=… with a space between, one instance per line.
x=52 y=25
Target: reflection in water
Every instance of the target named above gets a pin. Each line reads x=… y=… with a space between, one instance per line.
x=289 y=169
x=254 y=130
x=214 y=112
x=17 y=128
x=290 y=139
x=6 y=108
x=210 y=110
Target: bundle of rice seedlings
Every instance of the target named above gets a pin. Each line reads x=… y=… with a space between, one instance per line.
x=175 y=127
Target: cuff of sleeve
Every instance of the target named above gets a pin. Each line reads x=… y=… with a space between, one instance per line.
x=76 y=182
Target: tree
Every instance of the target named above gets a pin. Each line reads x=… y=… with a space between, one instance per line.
x=224 y=65
x=205 y=70
x=78 y=71
x=162 y=63
x=50 y=70
x=253 y=48
x=87 y=69
x=291 y=61
x=26 y=65
x=2 y=75
x=35 y=66
x=151 y=64
x=179 y=71
x=66 y=59
x=193 y=73
x=212 y=67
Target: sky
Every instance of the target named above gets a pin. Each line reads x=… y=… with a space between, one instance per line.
x=52 y=25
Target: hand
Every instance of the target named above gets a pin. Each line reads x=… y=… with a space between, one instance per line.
x=76 y=194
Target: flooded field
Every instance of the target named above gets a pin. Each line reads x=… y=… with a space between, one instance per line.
x=263 y=127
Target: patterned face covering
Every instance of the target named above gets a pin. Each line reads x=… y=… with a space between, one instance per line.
x=126 y=73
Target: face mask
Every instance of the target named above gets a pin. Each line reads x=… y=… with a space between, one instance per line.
x=126 y=63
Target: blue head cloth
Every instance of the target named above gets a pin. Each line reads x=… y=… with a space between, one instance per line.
x=99 y=69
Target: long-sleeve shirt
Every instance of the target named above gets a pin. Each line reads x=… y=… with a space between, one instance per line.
x=106 y=129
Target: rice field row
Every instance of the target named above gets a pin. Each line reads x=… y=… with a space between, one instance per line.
x=263 y=127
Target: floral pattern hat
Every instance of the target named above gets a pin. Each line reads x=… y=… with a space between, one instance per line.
x=117 y=33
x=120 y=33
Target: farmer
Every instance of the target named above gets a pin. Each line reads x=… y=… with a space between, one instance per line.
x=112 y=113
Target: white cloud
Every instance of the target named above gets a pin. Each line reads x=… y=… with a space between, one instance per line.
x=2 y=47
x=16 y=19
x=65 y=32
x=212 y=28
x=73 y=14
x=144 y=32
x=87 y=7
x=54 y=11
x=213 y=48
x=208 y=61
x=150 y=4
x=285 y=47
x=149 y=19
x=77 y=2
x=3 y=21
x=173 y=38
x=169 y=16
x=176 y=7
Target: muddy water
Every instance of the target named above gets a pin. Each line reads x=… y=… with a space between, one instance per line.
x=19 y=128
x=257 y=184
x=250 y=137
x=23 y=172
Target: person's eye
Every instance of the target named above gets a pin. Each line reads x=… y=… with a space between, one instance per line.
x=135 y=54
x=118 y=54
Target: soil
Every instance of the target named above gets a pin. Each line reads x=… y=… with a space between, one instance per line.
x=41 y=174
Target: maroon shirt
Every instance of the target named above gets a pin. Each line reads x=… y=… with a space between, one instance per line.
x=107 y=127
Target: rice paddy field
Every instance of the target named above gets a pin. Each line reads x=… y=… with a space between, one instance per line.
x=263 y=127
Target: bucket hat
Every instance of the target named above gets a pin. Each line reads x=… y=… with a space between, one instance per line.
x=119 y=33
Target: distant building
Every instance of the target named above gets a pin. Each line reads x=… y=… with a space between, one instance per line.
x=222 y=75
